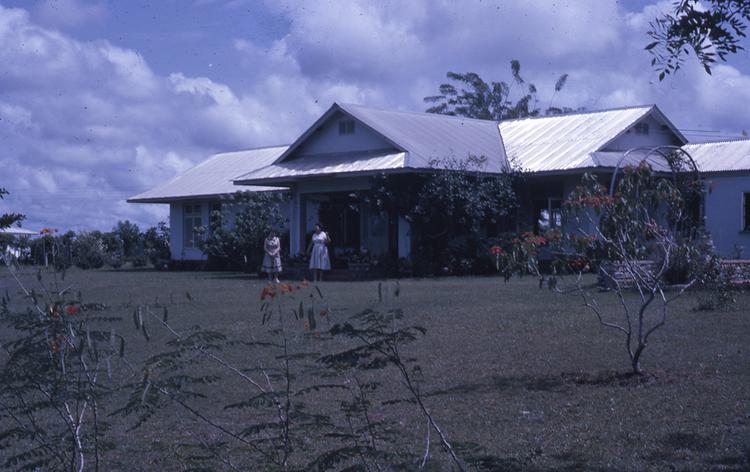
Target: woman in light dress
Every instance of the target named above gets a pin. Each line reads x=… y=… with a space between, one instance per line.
x=272 y=257
x=317 y=250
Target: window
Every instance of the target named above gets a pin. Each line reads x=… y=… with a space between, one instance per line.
x=548 y=214
x=346 y=127
x=192 y=221
x=746 y=209
x=641 y=128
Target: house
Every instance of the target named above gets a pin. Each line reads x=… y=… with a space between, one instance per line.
x=192 y=195
x=340 y=152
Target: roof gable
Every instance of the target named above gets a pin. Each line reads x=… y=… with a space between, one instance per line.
x=424 y=137
x=564 y=142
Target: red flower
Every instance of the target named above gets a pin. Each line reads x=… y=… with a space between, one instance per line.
x=496 y=250
x=72 y=309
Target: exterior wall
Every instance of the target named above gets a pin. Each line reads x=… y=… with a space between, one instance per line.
x=328 y=140
x=724 y=213
x=178 y=251
x=658 y=135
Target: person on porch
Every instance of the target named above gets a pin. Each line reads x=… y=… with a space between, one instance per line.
x=317 y=250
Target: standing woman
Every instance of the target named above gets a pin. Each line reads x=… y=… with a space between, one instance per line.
x=272 y=257
x=317 y=250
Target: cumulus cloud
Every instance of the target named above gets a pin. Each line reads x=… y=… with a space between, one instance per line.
x=84 y=125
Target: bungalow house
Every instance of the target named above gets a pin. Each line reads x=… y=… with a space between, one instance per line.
x=340 y=152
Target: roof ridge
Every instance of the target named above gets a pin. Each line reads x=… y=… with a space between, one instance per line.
x=421 y=113
x=577 y=113
x=583 y=112
x=250 y=149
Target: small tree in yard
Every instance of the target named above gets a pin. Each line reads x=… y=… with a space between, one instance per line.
x=241 y=244
x=645 y=230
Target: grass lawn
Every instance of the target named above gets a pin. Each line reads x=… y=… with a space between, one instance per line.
x=526 y=373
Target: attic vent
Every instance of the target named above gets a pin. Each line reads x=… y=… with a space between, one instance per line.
x=346 y=127
x=641 y=128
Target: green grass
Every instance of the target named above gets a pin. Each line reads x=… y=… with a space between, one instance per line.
x=526 y=373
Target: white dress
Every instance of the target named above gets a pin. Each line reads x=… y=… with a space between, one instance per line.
x=319 y=257
x=272 y=264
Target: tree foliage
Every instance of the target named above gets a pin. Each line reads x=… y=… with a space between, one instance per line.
x=710 y=29
x=646 y=229
x=131 y=238
x=450 y=208
x=8 y=219
x=470 y=96
x=241 y=244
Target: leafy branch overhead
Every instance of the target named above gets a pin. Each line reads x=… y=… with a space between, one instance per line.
x=710 y=29
x=470 y=96
x=8 y=219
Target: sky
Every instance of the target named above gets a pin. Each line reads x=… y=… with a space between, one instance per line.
x=103 y=99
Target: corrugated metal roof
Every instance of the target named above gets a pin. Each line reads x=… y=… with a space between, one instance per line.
x=325 y=165
x=565 y=142
x=429 y=136
x=721 y=156
x=213 y=176
x=16 y=231
x=425 y=137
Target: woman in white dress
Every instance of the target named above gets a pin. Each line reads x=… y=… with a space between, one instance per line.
x=317 y=250
x=272 y=257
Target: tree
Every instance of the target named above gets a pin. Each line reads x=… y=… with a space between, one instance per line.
x=490 y=101
x=710 y=28
x=449 y=208
x=8 y=219
x=156 y=243
x=646 y=231
x=241 y=244
x=130 y=235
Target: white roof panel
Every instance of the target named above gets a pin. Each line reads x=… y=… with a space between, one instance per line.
x=213 y=176
x=428 y=136
x=16 y=231
x=563 y=142
x=325 y=165
x=721 y=156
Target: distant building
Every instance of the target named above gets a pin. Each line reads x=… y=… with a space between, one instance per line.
x=348 y=144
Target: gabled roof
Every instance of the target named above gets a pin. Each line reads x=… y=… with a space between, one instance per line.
x=212 y=177
x=425 y=137
x=565 y=142
x=721 y=156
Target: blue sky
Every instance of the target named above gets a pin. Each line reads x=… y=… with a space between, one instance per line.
x=100 y=100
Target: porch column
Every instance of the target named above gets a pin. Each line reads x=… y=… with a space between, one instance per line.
x=297 y=222
x=404 y=237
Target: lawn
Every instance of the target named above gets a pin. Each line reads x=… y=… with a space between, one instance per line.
x=526 y=374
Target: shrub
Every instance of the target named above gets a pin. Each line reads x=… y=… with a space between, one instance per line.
x=88 y=251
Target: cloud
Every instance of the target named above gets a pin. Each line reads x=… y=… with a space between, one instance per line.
x=85 y=124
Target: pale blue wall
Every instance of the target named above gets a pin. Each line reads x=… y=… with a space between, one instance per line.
x=724 y=212
x=657 y=136
x=328 y=140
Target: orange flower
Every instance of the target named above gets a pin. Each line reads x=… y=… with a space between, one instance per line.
x=286 y=288
x=268 y=292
